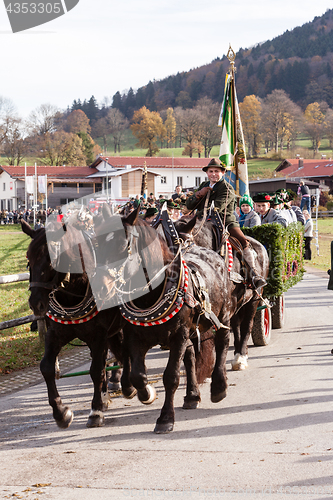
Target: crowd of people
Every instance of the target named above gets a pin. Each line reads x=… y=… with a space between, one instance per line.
x=263 y=208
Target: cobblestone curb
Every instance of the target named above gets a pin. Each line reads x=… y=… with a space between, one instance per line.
x=31 y=376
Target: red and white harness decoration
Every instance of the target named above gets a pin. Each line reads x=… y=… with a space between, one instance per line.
x=73 y=321
x=176 y=310
x=230 y=256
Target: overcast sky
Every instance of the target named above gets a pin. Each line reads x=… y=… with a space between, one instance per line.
x=102 y=46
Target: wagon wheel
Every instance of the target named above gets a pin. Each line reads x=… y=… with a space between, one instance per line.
x=261 y=331
x=278 y=312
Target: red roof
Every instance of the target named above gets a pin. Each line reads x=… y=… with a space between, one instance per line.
x=63 y=172
x=306 y=168
x=151 y=162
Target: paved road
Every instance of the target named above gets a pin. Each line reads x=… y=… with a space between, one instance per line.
x=270 y=438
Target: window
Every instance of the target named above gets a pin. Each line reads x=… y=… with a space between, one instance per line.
x=179 y=181
x=163 y=179
x=4 y=187
x=197 y=181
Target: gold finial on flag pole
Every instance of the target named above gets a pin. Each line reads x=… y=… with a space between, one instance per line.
x=231 y=56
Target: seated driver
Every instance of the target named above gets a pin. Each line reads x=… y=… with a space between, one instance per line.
x=223 y=195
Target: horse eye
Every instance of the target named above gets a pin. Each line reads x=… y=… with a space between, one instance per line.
x=109 y=237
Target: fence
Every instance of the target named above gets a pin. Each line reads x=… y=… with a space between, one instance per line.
x=13 y=278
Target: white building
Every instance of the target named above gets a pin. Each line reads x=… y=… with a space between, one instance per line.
x=164 y=174
x=117 y=177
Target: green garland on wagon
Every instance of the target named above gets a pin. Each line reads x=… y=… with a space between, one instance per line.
x=285 y=250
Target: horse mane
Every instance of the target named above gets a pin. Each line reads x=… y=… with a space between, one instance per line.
x=149 y=235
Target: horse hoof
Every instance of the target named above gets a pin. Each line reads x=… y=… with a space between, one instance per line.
x=129 y=393
x=114 y=386
x=216 y=398
x=190 y=405
x=239 y=362
x=96 y=419
x=151 y=395
x=66 y=420
x=163 y=428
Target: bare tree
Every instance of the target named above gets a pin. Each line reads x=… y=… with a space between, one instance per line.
x=44 y=119
x=114 y=124
x=209 y=133
x=190 y=120
x=277 y=119
x=13 y=143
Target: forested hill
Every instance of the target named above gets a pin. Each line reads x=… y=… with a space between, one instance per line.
x=299 y=61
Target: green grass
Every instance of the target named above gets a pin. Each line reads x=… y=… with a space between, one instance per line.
x=325 y=236
x=19 y=347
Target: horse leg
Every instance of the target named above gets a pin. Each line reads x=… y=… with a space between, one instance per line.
x=138 y=376
x=192 y=398
x=100 y=401
x=219 y=385
x=240 y=358
x=126 y=385
x=242 y=324
x=171 y=377
x=114 y=380
x=61 y=414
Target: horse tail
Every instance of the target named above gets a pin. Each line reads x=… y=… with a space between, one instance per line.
x=205 y=358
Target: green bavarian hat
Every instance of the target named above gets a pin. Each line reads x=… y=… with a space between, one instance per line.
x=246 y=200
x=276 y=200
x=170 y=203
x=150 y=212
x=291 y=195
x=261 y=198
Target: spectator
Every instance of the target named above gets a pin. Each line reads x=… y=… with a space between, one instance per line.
x=178 y=193
x=304 y=191
x=308 y=235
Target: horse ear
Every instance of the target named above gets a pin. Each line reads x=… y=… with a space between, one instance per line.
x=132 y=218
x=27 y=229
x=188 y=226
x=106 y=211
x=57 y=234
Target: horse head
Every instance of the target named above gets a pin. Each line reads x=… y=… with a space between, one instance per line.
x=43 y=277
x=129 y=254
x=57 y=254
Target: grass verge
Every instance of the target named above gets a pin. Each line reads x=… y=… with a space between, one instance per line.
x=19 y=347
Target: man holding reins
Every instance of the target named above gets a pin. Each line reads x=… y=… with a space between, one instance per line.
x=223 y=195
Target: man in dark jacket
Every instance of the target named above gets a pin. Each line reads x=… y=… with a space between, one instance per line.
x=223 y=195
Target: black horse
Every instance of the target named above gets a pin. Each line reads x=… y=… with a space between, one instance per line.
x=244 y=299
x=200 y=299
x=71 y=291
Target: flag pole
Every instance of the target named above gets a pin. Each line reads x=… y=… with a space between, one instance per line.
x=35 y=193
x=25 y=188
x=231 y=57
x=46 y=201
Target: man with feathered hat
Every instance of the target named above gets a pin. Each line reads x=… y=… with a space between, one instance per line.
x=223 y=195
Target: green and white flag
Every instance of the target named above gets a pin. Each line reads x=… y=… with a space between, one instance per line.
x=230 y=122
